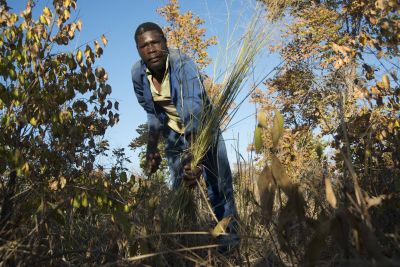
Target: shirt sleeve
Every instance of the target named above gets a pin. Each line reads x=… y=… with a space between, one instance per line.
x=194 y=99
x=153 y=122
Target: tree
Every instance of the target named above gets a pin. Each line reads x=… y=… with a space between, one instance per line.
x=185 y=32
x=339 y=71
x=339 y=79
x=54 y=109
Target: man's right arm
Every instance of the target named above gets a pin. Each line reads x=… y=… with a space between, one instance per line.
x=153 y=158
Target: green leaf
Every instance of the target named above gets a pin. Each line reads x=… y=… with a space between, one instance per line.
x=66 y=14
x=33 y=121
x=13 y=75
x=258 y=144
x=277 y=129
x=79 y=56
x=99 y=201
x=126 y=208
x=43 y=19
x=100 y=72
x=262 y=119
x=220 y=228
x=75 y=203
x=84 y=201
x=123 y=177
x=47 y=12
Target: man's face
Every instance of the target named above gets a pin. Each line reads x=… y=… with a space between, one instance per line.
x=152 y=48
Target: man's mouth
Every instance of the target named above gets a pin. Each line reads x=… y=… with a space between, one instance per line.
x=154 y=59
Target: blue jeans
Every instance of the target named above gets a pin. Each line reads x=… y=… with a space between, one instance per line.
x=217 y=172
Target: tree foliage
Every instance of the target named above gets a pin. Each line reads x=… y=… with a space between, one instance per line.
x=338 y=91
x=184 y=32
x=54 y=111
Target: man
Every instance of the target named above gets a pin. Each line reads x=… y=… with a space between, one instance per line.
x=168 y=86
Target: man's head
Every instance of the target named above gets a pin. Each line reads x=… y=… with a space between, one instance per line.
x=152 y=46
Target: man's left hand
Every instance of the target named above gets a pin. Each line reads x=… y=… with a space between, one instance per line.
x=190 y=176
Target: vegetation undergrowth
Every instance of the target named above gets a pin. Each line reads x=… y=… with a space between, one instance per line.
x=320 y=188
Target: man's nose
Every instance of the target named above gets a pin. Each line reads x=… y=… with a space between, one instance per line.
x=152 y=48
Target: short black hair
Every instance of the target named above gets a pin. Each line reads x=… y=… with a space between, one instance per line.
x=148 y=26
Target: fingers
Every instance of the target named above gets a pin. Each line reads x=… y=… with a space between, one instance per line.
x=153 y=161
x=153 y=155
x=190 y=176
x=190 y=183
x=186 y=168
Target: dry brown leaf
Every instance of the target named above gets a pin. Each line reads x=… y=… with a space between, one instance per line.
x=380 y=4
x=266 y=192
x=285 y=221
x=63 y=182
x=330 y=195
x=386 y=81
x=371 y=243
x=279 y=173
x=104 y=40
x=375 y=201
x=143 y=242
x=362 y=40
x=98 y=49
x=79 y=24
x=317 y=243
x=53 y=184
x=375 y=90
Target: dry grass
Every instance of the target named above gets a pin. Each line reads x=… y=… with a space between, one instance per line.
x=238 y=71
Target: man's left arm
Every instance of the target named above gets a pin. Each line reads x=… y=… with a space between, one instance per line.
x=193 y=98
x=194 y=103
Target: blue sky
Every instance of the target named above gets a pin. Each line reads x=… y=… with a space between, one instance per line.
x=118 y=20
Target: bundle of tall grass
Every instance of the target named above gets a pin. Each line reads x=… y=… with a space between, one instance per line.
x=214 y=116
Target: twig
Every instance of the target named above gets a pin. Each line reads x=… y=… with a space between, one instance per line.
x=141 y=257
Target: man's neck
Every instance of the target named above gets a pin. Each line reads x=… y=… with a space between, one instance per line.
x=159 y=74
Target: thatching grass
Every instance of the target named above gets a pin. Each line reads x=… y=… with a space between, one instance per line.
x=214 y=115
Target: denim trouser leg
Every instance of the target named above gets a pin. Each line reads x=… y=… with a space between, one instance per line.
x=217 y=172
x=218 y=178
x=174 y=148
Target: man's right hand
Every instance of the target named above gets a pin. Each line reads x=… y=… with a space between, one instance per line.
x=153 y=160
